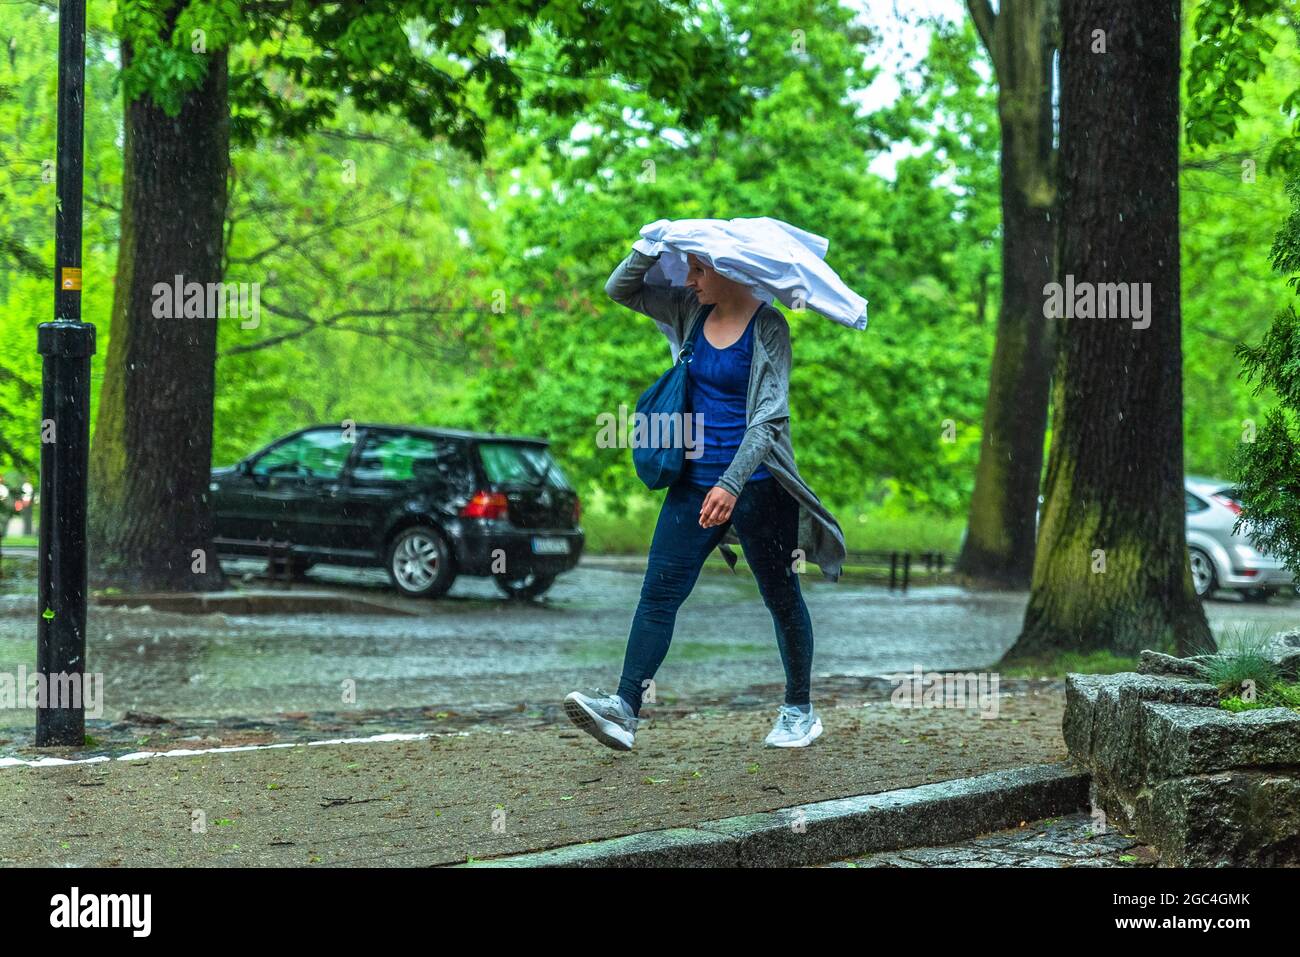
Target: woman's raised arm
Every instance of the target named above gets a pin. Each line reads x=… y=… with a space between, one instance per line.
x=669 y=306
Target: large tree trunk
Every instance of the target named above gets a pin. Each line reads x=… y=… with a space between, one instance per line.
x=1001 y=529
x=1112 y=570
x=150 y=523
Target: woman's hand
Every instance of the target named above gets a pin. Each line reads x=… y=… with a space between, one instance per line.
x=717 y=507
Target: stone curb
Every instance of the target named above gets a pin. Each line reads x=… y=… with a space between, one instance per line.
x=924 y=816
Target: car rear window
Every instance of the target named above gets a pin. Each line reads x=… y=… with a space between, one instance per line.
x=1232 y=495
x=510 y=463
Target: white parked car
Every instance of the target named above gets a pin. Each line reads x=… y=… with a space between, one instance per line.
x=1219 y=558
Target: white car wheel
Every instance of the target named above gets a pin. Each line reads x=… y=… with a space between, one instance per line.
x=1202 y=572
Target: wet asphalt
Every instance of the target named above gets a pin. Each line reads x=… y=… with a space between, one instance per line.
x=474 y=647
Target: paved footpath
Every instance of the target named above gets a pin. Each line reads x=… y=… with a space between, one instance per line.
x=483 y=786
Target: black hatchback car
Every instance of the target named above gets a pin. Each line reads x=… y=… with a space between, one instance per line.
x=426 y=504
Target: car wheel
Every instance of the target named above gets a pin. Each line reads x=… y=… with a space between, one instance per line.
x=420 y=562
x=1202 y=572
x=531 y=585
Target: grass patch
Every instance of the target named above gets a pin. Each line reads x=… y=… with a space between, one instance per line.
x=1056 y=666
x=877 y=530
x=610 y=534
x=869 y=528
x=1280 y=695
x=1243 y=662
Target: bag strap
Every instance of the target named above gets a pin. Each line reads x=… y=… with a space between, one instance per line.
x=688 y=347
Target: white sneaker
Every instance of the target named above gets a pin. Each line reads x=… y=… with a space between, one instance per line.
x=793 y=728
x=607 y=718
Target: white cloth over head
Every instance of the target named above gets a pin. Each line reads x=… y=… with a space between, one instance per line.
x=777 y=260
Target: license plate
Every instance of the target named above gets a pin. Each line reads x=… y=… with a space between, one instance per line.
x=550 y=546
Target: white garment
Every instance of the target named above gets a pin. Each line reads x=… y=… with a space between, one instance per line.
x=774 y=258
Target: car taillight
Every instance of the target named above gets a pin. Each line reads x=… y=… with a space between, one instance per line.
x=1228 y=503
x=485 y=505
x=577 y=511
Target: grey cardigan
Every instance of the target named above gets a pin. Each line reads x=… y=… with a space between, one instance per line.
x=676 y=309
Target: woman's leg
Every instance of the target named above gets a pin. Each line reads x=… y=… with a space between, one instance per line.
x=767 y=524
x=677 y=554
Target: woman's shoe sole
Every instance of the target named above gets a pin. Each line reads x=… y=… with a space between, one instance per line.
x=593 y=724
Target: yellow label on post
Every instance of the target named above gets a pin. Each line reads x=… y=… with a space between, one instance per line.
x=71 y=278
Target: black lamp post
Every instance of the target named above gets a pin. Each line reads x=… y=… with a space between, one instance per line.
x=66 y=345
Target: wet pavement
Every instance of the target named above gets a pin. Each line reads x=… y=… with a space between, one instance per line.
x=475 y=680
x=504 y=785
x=474 y=649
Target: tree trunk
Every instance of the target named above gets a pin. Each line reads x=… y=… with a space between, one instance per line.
x=1111 y=570
x=150 y=522
x=1000 y=531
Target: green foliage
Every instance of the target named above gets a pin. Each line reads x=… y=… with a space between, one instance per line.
x=1232 y=40
x=1268 y=469
x=1230 y=201
x=1229 y=669
x=1278 y=696
x=868 y=409
x=434 y=64
x=1243 y=657
x=383 y=336
x=28 y=53
x=427 y=286
x=1072 y=662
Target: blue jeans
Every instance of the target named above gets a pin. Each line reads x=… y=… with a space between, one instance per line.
x=766 y=518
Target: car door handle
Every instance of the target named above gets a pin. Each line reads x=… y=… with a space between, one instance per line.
x=329 y=491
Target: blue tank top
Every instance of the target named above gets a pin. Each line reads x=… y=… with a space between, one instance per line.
x=718 y=386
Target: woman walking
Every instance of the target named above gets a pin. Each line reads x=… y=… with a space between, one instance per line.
x=743 y=479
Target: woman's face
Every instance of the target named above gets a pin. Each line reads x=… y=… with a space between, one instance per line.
x=704 y=280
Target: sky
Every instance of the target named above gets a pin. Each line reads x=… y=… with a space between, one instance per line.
x=902 y=43
x=901 y=46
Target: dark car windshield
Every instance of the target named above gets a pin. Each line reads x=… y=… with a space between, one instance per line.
x=510 y=463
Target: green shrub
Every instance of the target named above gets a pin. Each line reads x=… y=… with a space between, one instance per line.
x=1267 y=470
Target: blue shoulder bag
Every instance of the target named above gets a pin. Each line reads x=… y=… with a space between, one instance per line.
x=658 y=466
